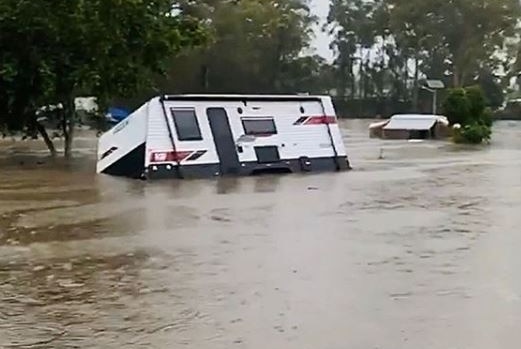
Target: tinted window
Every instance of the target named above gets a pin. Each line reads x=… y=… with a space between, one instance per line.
x=186 y=125
x=259 y=126
x=267 y=154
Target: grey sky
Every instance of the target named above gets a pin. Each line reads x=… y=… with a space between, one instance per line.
x=322 y=40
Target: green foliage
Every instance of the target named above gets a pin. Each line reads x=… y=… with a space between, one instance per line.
x=486 y=118
x=492 y=89
x=49 y=54
x=357 y=26
x=466 y=107
x=474 y=133
x=457 y=107
x=476 y=101
x=413 y=39
x=256 y=47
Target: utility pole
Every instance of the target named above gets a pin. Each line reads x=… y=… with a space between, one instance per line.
x=433 y=86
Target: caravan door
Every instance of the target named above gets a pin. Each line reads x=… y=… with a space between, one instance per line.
x=224 y=141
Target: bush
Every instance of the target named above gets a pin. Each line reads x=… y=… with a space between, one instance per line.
x=472 y=134
x=457 y=107
x=467 y=107
x=486 y=118
x=476 y=100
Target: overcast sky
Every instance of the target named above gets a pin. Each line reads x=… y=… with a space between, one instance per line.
x=322 y=40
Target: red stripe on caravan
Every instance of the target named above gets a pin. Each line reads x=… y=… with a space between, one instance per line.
x=321 y=120
x=169 y=156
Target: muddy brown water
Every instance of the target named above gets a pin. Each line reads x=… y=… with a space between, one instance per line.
x=419 y=249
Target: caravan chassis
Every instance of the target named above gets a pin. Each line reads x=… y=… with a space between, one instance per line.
x=301 y=165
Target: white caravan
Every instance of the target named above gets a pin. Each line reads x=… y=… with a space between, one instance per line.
x=186 y=136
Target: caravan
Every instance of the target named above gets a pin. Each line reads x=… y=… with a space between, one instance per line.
x=187 y=136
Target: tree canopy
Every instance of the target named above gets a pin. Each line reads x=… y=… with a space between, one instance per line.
x=54 y=51
x=256 y=46
x=390 y=45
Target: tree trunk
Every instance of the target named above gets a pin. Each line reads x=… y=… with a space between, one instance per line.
x=68 y=123
x=416 y=88
x=456 y=79
x=342 y=82
x=48 y=142
x=353 y=80
x=69 y=135
x=404 y=84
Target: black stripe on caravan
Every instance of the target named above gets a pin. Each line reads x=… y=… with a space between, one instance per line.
x=131 y=165
x=245 y=98
x=301 y=120
x=108 y=152
x=196 y=155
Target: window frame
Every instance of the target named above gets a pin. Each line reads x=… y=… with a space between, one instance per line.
x=244 y=120
x=177 y=128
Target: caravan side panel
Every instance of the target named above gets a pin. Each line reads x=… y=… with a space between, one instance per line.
x=169 y=156
x=304 y=130
x=121 y=150
x=307 y=137
x=292 y=140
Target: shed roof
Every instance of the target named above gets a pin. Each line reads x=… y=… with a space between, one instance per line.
x=416 y=122
x=435 y=84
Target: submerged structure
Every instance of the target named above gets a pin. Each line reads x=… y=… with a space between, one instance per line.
x=411 y=126
x=187 y=136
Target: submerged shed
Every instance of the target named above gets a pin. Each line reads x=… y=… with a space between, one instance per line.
x=411 y=126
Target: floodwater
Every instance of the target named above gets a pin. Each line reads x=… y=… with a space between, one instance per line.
x=417 y=247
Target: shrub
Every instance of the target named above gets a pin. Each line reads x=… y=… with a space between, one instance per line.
x=467 y=107
x=477 y=102
x=457 y=107
x=486 y=117
x=472 y=134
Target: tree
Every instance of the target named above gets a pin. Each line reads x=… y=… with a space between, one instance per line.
x=474 y=31
x=354 y=26
x=414 y=27
x=254 y=46
x=492 y=88
x=306 y=74
x=53 y=52
x=466 y=32
x=410 y=40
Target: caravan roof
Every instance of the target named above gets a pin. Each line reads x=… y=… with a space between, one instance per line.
x=234 y=97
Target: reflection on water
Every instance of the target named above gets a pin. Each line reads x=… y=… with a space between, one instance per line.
x=417 y=247
x=228 y=185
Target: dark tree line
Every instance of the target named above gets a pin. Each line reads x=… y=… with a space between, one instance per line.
x=52 y=51
x=385 y=48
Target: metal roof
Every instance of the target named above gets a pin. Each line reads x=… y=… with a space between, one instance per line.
x=412 y=122
x=435 y=84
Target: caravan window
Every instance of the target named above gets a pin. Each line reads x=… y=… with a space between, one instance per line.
x=259 y=126
x=186 y=125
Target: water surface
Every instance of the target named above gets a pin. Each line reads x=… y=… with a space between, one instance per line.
x=418 y=247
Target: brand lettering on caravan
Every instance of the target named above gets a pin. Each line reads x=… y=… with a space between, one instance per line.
x=160 y=157
x=120 y=127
